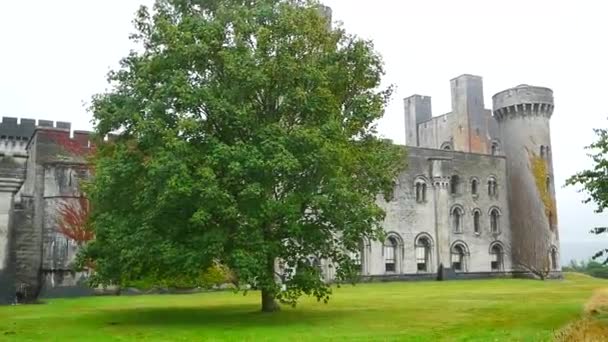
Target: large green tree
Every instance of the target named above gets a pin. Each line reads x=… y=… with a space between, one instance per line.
x=594 y=181
x=246 y=136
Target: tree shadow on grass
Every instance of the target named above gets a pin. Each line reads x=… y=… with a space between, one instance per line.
x=226 y=316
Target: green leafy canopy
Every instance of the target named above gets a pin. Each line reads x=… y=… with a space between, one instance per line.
x=247 y=136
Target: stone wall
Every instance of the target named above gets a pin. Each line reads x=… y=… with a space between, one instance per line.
x=409 y=218
x=43 y=256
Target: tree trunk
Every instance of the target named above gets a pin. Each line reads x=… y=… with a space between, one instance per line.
x=269 y=304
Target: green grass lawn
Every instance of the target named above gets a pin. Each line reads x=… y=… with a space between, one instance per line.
x=484 y=310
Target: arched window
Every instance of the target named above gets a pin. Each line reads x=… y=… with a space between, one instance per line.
x=496 y=257
x=542 y=151
x=457 y=215
x=554 y=261
x=454 y=184
x=550 y=218
x=548 y=184
x=314 y=262
x=494 y=149
x=492 y=187
x=423 y=253
x=476 y=221
x=357 y=257
x=548 y=152
x=446 y=146
x=459 y=253
x=474 y=186
x=390 y=254
x=420 y=185
x=494 y=221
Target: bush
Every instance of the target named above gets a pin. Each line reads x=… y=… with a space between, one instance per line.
x=214 y=276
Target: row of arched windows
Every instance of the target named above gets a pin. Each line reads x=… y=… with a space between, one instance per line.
x=421 y=187
x=457 y=220
x=423 y=244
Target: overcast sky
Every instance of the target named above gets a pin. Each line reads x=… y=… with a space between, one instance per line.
x=55 y=54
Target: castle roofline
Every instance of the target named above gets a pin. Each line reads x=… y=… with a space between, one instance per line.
x=524 y=87
x=465 y=75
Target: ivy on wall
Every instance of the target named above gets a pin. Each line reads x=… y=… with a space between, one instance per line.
x=540 y=172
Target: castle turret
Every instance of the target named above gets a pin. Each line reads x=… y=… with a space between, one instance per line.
x=417 y=110
x=523 y=114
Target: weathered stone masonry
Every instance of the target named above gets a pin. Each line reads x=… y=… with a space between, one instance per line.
x=40 y=169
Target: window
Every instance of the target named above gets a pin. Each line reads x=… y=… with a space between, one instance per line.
x=548 y=184
x=390 y=254
x=458 y=258
x=476 y=223
x=550 y=218
x=357 y=258
x=446 y=146
x=494 y=221
x=492 y=187
x=423 y=254
x=542 y=151
x=454 y=184
x=420 y=191
x=548 y=152
x=457 y=219
x=494 y=149
x=474 y=184
x=554 y=262
x=314 y=262
x=496 y=256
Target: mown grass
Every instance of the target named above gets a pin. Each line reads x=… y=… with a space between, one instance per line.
x=484 y=310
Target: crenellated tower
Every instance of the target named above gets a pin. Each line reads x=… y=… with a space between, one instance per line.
x=523 y=114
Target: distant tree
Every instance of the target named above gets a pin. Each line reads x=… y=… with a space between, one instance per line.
x=595 y=182
x=247 y=137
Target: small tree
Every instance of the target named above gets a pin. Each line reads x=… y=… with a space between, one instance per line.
x=534 y=256
x=595 y=182
x=247 y=137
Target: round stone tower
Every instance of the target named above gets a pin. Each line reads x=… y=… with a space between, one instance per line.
x=523 y=114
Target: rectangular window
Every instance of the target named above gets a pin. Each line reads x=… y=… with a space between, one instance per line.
x=494 y=262
x=389 y=257
x=421 y=258
x=457 y=266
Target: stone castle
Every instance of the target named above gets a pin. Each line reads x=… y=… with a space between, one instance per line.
x=476 y=200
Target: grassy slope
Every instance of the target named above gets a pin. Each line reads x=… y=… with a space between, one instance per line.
x=486 y=310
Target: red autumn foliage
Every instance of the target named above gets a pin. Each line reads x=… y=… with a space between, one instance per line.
x=73 y=220
x=72 y=146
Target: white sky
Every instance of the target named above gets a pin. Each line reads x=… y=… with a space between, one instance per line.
x=55 y=54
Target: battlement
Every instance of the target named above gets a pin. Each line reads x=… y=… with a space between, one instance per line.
x=523 y=100
x=15 y=134
x=14 y=129
x=79 y=144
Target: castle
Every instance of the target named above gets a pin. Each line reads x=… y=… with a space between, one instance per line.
x=476 y=200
